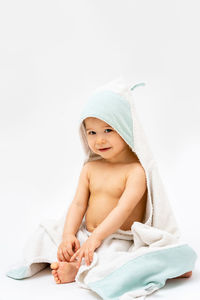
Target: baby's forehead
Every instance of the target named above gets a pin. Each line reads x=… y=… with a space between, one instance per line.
x=92 y=121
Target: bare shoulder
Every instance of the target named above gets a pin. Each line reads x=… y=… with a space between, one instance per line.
x=136 y=166
x=92 y=164
x=87 y=168
x=136 y=172
x=88 y=165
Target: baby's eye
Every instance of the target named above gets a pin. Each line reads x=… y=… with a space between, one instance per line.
x=109 y=129
x=90 y=132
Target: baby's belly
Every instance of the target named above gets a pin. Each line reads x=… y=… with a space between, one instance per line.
x=99 y=208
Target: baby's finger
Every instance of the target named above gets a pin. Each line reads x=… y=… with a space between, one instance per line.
x=74 y=256
x=91 y=256
x=77 y=244
x=79 y=260
x=60 y=256
x=87 y=259
x=69 y=250
x=66 y=255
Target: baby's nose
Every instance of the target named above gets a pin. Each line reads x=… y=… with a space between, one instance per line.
x=100 y=140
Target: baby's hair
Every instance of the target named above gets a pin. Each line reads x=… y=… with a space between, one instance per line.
x=84 y=130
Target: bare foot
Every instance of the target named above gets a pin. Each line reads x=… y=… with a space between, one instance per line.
x=185 y=275
x=64 y=272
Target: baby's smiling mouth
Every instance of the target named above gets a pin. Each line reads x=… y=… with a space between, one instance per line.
x=104 y=149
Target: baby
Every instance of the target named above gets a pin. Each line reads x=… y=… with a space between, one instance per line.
x=112 y=190
x=111 y=193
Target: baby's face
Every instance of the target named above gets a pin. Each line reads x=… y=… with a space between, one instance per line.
x=101 y=135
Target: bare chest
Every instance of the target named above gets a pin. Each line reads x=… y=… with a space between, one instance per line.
x=106 y=185
x=109 y=181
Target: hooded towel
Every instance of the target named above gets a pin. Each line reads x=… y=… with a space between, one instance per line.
x=128 y=264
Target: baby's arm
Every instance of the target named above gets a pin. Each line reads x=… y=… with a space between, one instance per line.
x=79 y=204
x=134 y=190
x=74 y=217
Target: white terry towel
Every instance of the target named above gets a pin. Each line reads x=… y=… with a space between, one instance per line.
x=128 y=264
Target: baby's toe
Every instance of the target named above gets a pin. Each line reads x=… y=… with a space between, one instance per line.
x=56 y=278
x=54 y=266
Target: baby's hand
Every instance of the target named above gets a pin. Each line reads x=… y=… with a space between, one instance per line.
x=68 y=246
x=86 y=251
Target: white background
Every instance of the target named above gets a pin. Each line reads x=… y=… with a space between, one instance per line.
x=52 y=55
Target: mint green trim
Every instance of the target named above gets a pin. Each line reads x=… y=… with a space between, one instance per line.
x=150 y=270
x=136 y=85
x=18 y=273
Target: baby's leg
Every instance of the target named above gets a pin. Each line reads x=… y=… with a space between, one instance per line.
x=64 y=272
x=185 y=275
